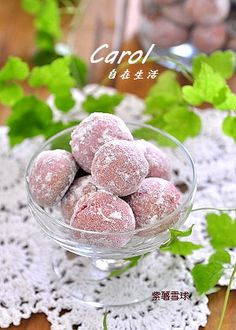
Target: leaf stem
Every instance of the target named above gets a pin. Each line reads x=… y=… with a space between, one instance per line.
x=226 y=298
x=212 y=208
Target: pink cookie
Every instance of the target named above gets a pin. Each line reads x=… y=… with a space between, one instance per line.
x=208 y=11
x=159 y=164
x=232 y=44
x=92 y=133
x=166 y=33
x=154 y=199
x=209 y=38
x=165 y=2
x=80 y=187
x=119 y=167
x=52 y=173
x=178 y=14
x=104 y=212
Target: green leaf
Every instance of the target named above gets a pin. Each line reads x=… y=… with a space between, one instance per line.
x=163 y=94
x=222 y=230
x=48 y=18
x=10 y=94
x=181 y=248
x=221 y=256
x=206 y=276
x=182 y=123
x=208 y=87
x=222 y=62
x=105 y=321
x=65 y=102
x=79 y=71
x=30 y=117
x=191 y=96
x=229 y=126
x=57 y=78
x=14 y=69
x=31 y=6
x=104 y=103
x=133 y=261
x=175 y=246
x=44 y=57
x=45 y=41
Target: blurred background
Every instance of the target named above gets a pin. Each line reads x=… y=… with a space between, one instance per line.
x=124 y=25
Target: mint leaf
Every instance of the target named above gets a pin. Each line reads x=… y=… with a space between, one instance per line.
x=222 y=230
x=222 y=62
x=55 y=76
x=48 y=18
x=227 y=100
x=30 y=117
x=79 y=71
x=181 y=248
x=133 y=262
x=175 y=246
x=45 y=42
x=10 y=93
x=31 y=6
x=14 y=69
x=65 y=102
x=182 y=123
x=221 y=256
x=104 y=103
x=229 y=126
x=164 y=93
x=206 y=276
x=208 y=87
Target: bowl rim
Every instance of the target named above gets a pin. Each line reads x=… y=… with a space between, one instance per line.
x=67 y=226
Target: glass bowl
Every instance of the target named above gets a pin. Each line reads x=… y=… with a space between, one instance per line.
x=181 y=51
x=101 y=259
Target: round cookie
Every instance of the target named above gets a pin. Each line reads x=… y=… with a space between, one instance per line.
x=208 y=12
x=51 y=175
x=104 y=212
x=178 y=14
x=154 y=199
x=209 y=38
x=159 y=164
x=165 y=2
x=119 y=167
x=92 y=133
x=80 y=187
x=166 y=33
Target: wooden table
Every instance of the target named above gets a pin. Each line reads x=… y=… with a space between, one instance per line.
x=16 y=37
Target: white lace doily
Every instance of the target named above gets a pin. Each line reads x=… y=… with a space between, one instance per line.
x=27 y=281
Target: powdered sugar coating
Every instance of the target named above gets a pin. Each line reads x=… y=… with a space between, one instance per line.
x=104 y=212
x=52 y=173
x=92 y=133
x=154 y=199
x=119 y=167
x=159 y=164
x=80 y=187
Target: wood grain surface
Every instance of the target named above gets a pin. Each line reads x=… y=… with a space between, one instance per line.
x=16 y=37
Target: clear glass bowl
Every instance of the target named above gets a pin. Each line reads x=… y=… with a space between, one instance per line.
x=141 y=241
